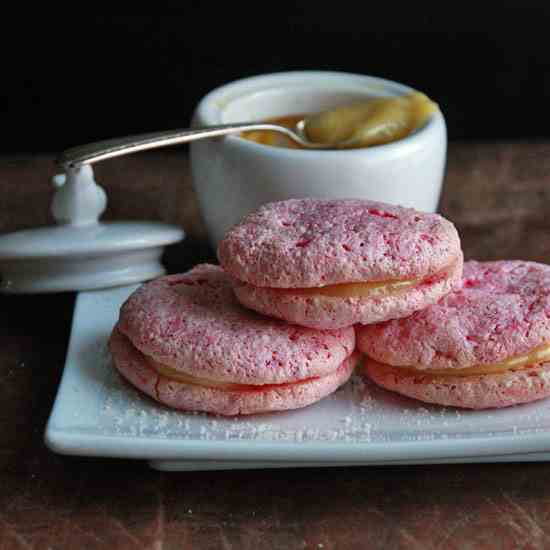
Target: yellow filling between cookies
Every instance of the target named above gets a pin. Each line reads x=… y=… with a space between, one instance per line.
x=179 y=376
x=538 y=355
x=358 y=290
x=374 y=288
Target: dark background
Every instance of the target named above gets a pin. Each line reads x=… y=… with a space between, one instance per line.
x=69 y=81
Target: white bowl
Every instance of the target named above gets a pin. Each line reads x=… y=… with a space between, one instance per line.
x=233 y=176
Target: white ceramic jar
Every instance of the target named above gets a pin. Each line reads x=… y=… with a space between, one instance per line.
x=233 y=176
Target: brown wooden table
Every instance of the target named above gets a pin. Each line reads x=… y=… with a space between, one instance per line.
x=499 y=197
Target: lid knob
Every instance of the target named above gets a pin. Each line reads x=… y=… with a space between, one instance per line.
x=78 y=200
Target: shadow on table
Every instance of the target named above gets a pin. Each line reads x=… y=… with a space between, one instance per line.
x=183 y=256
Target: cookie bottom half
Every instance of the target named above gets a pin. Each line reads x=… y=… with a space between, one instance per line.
x=225 y=399
x=476 y=391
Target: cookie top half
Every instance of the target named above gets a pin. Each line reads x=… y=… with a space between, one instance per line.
x=192 y=323
x=501 y=311
x=306 y=243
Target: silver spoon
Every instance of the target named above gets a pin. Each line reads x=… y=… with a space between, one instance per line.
x=111 y=148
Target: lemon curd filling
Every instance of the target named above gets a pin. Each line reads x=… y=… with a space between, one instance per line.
x=276 y=139
x=375 y=121
x=537 y=355
x=374 y=288
x=178 y=376
x=358 y=290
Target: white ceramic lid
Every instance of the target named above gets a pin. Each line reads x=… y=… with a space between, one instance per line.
x=65 y=258
x=81 y=253
x=88 y=240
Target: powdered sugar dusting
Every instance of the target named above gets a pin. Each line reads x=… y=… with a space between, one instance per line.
x=125 y=412
x=94 y=401
x=357 y=413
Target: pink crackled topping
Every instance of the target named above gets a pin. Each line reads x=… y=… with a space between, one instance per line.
x=502 y=310
x=304 y=243
x=193 y=323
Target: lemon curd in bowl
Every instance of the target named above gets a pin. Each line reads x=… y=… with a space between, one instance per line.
x=234 y=176
x=375 y=121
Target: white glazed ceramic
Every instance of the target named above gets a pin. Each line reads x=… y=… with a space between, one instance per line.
x=78 y=201
x=233 y=176
x=97 y=414
x=80 y=253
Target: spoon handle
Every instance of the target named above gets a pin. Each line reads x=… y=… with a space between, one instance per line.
x=111 y=148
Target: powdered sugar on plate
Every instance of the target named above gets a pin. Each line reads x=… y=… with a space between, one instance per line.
x=125 y=412
x=97 y=413
x=357 y=413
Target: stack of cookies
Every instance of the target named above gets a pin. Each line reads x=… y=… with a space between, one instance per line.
x=310 y=289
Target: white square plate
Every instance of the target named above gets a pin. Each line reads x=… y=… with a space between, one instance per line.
x=97 y=414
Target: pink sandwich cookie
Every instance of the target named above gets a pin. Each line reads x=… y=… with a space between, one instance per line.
x=185 y=341
x=329 y=264
x=485 y=345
